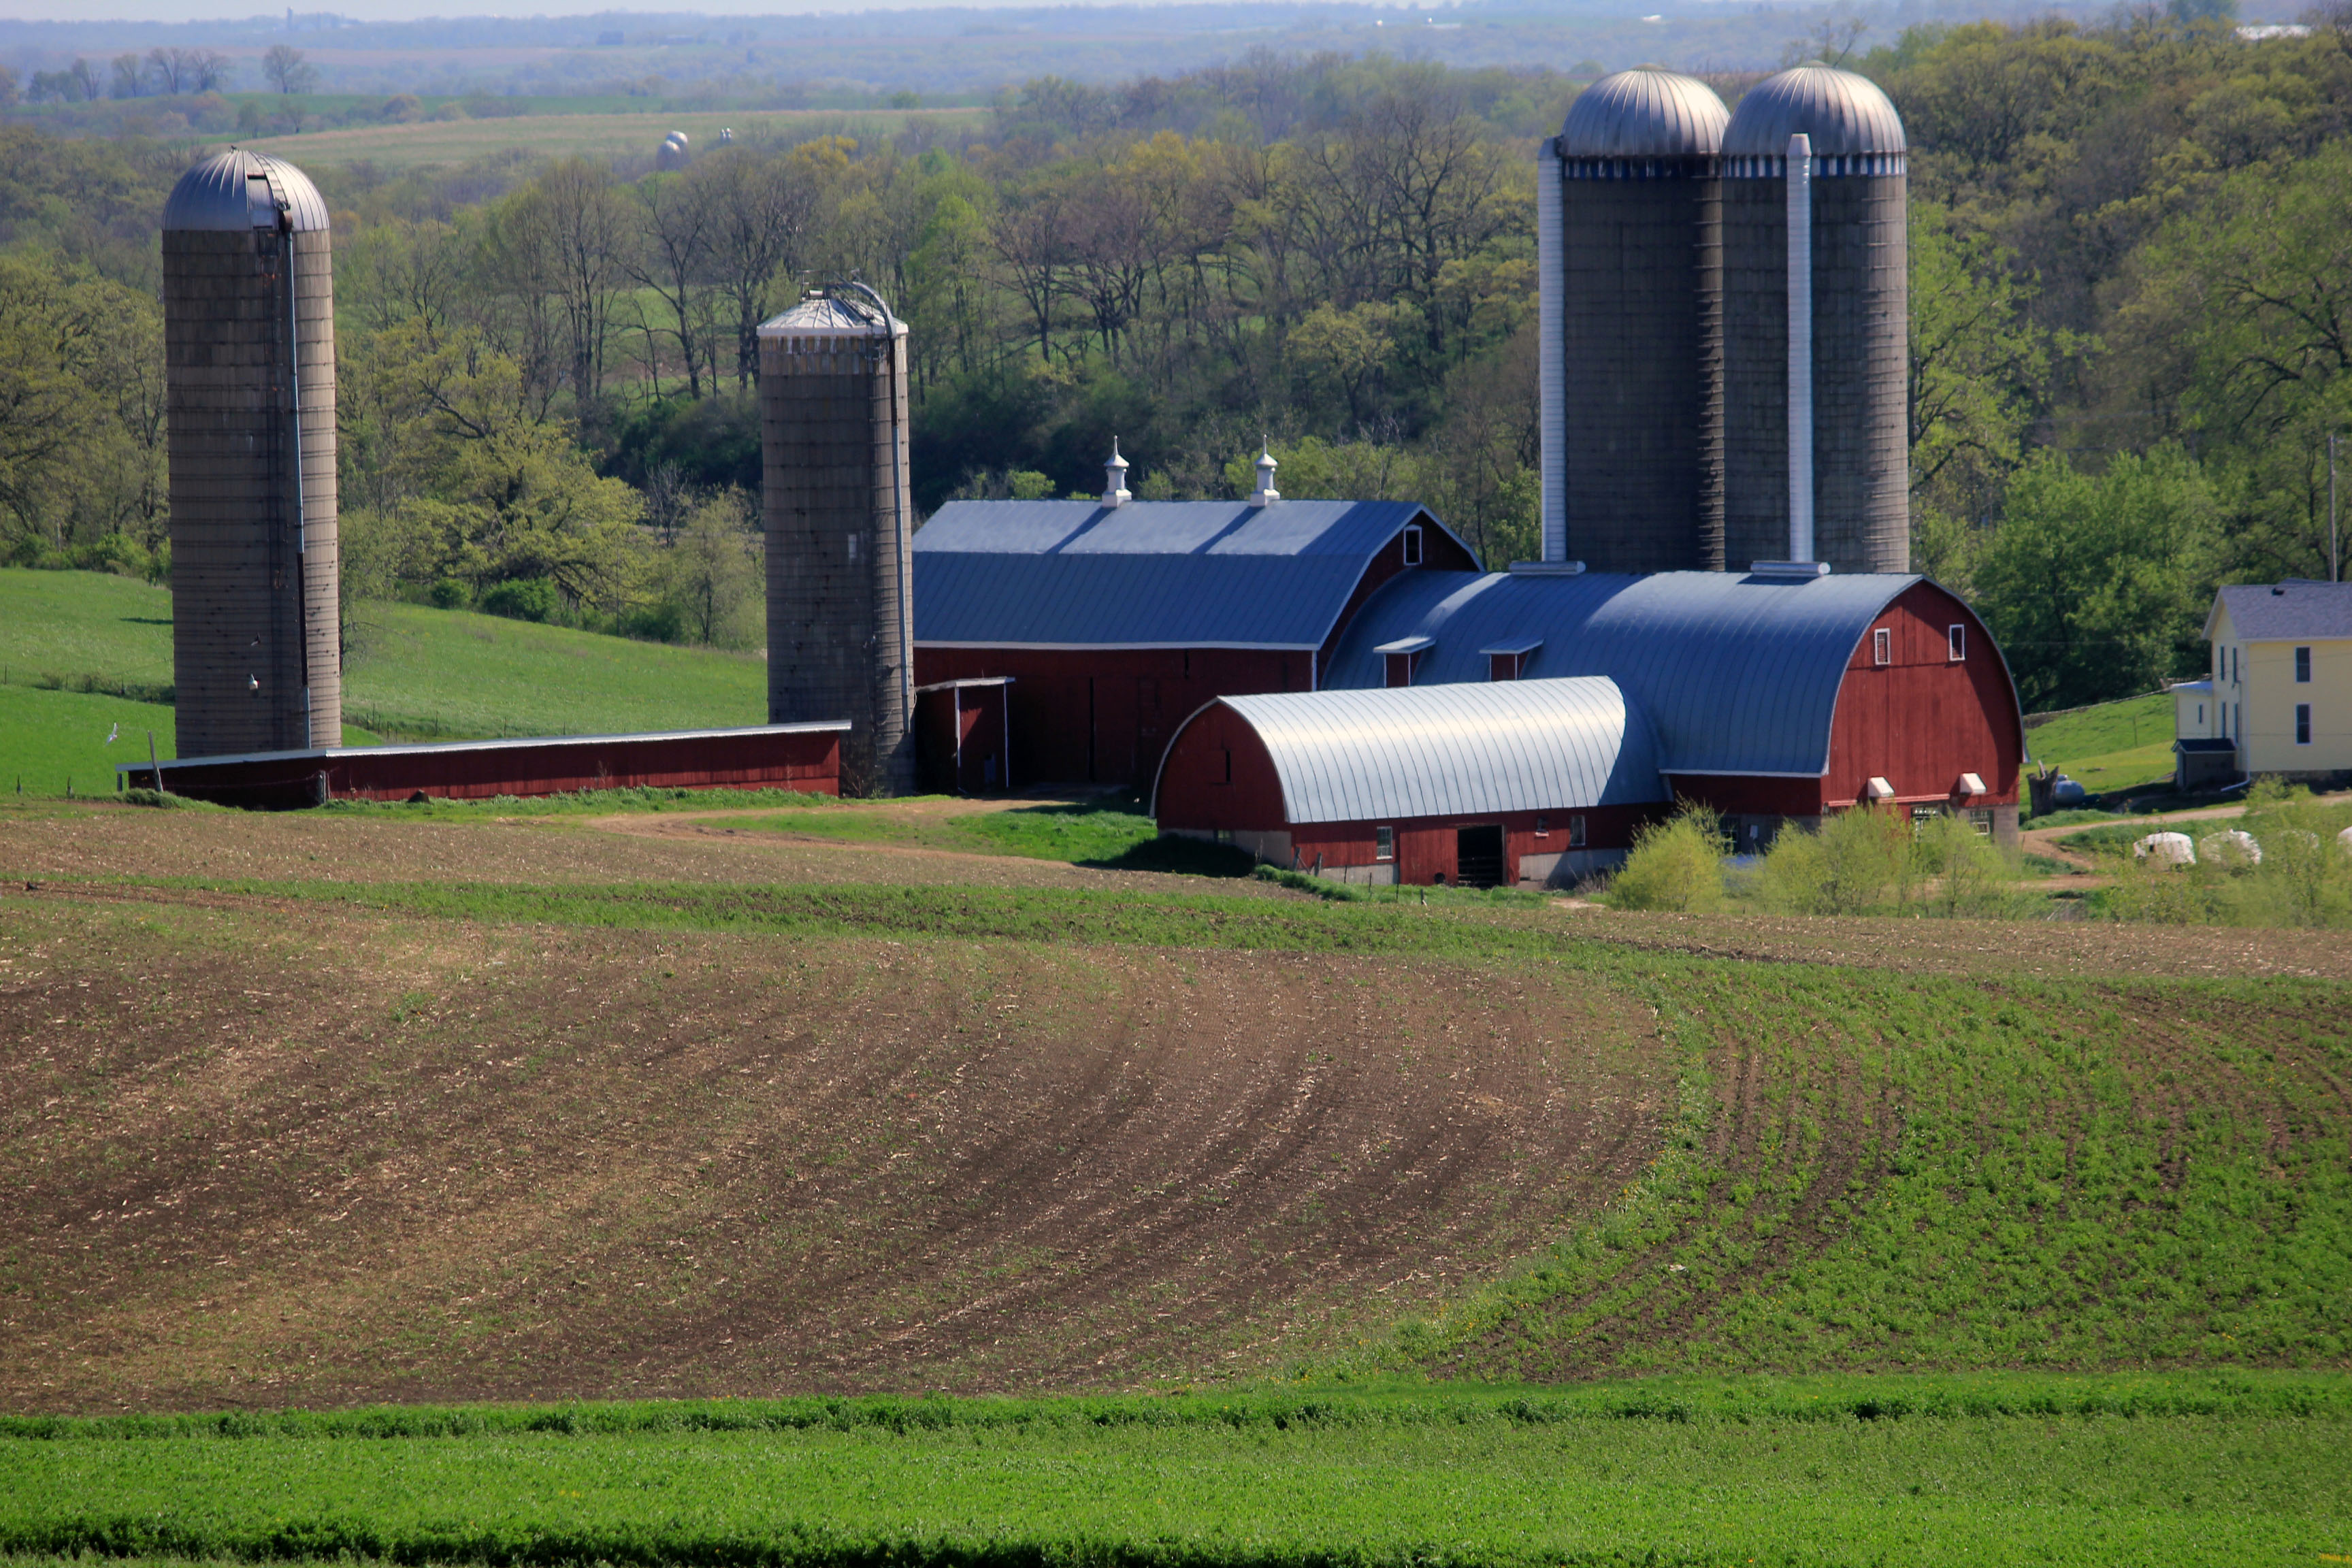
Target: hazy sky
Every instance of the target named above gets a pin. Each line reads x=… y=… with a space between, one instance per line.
x=412 y=10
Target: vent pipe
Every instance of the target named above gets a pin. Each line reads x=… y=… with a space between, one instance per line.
x=1801 y=348
x=1552 y=357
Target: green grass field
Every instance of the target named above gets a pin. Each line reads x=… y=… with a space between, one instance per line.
x=2115 y=746
x=600 y=136
x=414 y=673
x=1787 y=1473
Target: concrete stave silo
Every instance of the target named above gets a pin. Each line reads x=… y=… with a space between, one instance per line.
x=1859 y=296
x=249 y=374
x=835 y=504
x=1633 y=326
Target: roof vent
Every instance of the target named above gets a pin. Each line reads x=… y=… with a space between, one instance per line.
x=1970 y=785
x=1879 y=789
x=1787 y=568
x=1547 y=568
x=1115 y=490
x=1266 y=494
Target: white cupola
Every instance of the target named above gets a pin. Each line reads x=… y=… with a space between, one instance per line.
x=1266 y=494
x=1114 y=492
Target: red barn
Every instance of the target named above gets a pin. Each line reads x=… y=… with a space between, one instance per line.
x=1115 y=621
x=1533 y=782
x=1772 y=698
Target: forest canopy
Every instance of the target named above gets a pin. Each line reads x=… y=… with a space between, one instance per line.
x=2129 y=341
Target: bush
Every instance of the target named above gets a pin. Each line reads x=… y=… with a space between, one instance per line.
x=1675 y=865
x=1859 y=860
x=450 y=595
x=523 y=599
x=654 y=623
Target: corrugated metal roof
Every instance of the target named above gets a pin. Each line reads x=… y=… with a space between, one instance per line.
x=1735 y=674
x=1454 y=751
x=2284 y=612
x=819 y=316
x=215 y=195
x=1645 y=113
x=509 y=743
x=1844 y=115
x=1145 y=575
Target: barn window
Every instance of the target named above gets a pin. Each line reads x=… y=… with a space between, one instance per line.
x=1576 y=833
x=2303 y=723
x=1383 y=843
x=1542 y=831
x=1881 y=645
x=1412 y=545
x=1981 y=818
x=1956 y=641
x=2303 y=667
x=1225 y=759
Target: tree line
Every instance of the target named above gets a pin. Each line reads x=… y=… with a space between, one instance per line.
x=2127 y=350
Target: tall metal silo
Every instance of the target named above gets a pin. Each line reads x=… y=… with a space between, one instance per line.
x=249 y=377
x=1846 y=269
x=1632 y=294
x=834 y=494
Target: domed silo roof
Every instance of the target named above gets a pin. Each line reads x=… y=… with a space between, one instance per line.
x=1845 y=115
x=1645 y=113
x=219 y=194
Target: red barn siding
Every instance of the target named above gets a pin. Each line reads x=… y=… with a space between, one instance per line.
x=808 y=762
x=960 y=730
x=1202 y=791
x=1922 y=721
x=1439 y=552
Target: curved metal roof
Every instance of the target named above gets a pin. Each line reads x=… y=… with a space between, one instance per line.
x=1645 y=113
x=220 y=193
x=822 y=316
x=1454 y=751
x=1844 y=114
x=1735 y=674
x=1147 y=574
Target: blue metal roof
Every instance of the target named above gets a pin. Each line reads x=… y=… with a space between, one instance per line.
x=1145 y=575
x=1736 y=674
x=1454 y=751
x=217 y=193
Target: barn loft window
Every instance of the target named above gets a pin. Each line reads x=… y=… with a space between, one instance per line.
x=2303 y=667
x=1541 y=830
x=1383 y=843
x=1881 y=645
x=1225 y=765
x=1412 y=545
x=1956 y=642
x=1401 y=658
x=1576 y=833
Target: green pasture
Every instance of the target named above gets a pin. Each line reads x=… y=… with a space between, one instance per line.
x=2114 y=746
x=427 y=142
x=1328 y=1477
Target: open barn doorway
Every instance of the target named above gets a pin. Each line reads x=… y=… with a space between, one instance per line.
x=1479 y=857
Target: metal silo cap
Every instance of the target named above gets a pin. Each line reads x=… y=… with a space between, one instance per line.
x=1845 y=115
x=837 y=311
x=1645 y=113
x=236 y=189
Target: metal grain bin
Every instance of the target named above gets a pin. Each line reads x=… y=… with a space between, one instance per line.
x=1859 y=303
x=833 y=488
x=249 y=371
x=1634 y=405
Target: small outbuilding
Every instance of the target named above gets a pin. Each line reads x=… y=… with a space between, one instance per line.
x=1522 y=781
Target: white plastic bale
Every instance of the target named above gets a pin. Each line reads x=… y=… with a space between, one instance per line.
x=2234 y=848
x=2165 y=850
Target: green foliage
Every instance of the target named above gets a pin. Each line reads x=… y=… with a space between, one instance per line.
x=2098 y=587
x=1676 y=864
x=521 y=599
x=1879 y=861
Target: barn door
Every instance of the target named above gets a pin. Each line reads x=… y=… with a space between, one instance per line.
x=1479 y=857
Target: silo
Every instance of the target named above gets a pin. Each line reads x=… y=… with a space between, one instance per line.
x=1852 y=381
x=1634 y=378
x=249 y=376
x=833 y=493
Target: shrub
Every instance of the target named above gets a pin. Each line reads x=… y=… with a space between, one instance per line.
x=1968 y=877
x=654 y=623
x=1675 y=865
x=450 y=595
x=1857 y=861
x=522 y=599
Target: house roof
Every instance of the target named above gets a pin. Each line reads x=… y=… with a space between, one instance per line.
x=1736 y=673
x=2297 y=610
x=1146 y=574
x=1454 y=751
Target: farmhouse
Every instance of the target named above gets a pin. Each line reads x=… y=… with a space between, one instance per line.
x=2279 y=700
x=1533 y=781
x=1115 y=619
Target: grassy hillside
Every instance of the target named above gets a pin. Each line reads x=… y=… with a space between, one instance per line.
x=2114 y=746
x=50 y=740
x=599 y=136
x=413 y=672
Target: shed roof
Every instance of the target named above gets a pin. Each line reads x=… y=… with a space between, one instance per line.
x=2295 y=609
x=1145 y=575
x=1454 y=751
x=1737 y=674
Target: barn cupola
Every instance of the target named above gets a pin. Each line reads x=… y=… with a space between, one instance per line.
x=1115 y=490
x=1266 y=494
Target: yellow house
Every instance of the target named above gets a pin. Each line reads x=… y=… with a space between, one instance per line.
x=2281 y=688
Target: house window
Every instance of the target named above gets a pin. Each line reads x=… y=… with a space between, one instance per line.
x=2237 y=672
x=2200 y=715
x=1881 y=645
x=1956 y=642
x=1383 y=843
x=2303 y=667
x=1541 y=830
x=2303 y=723
x=1576 y=833
x=1412 y=545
